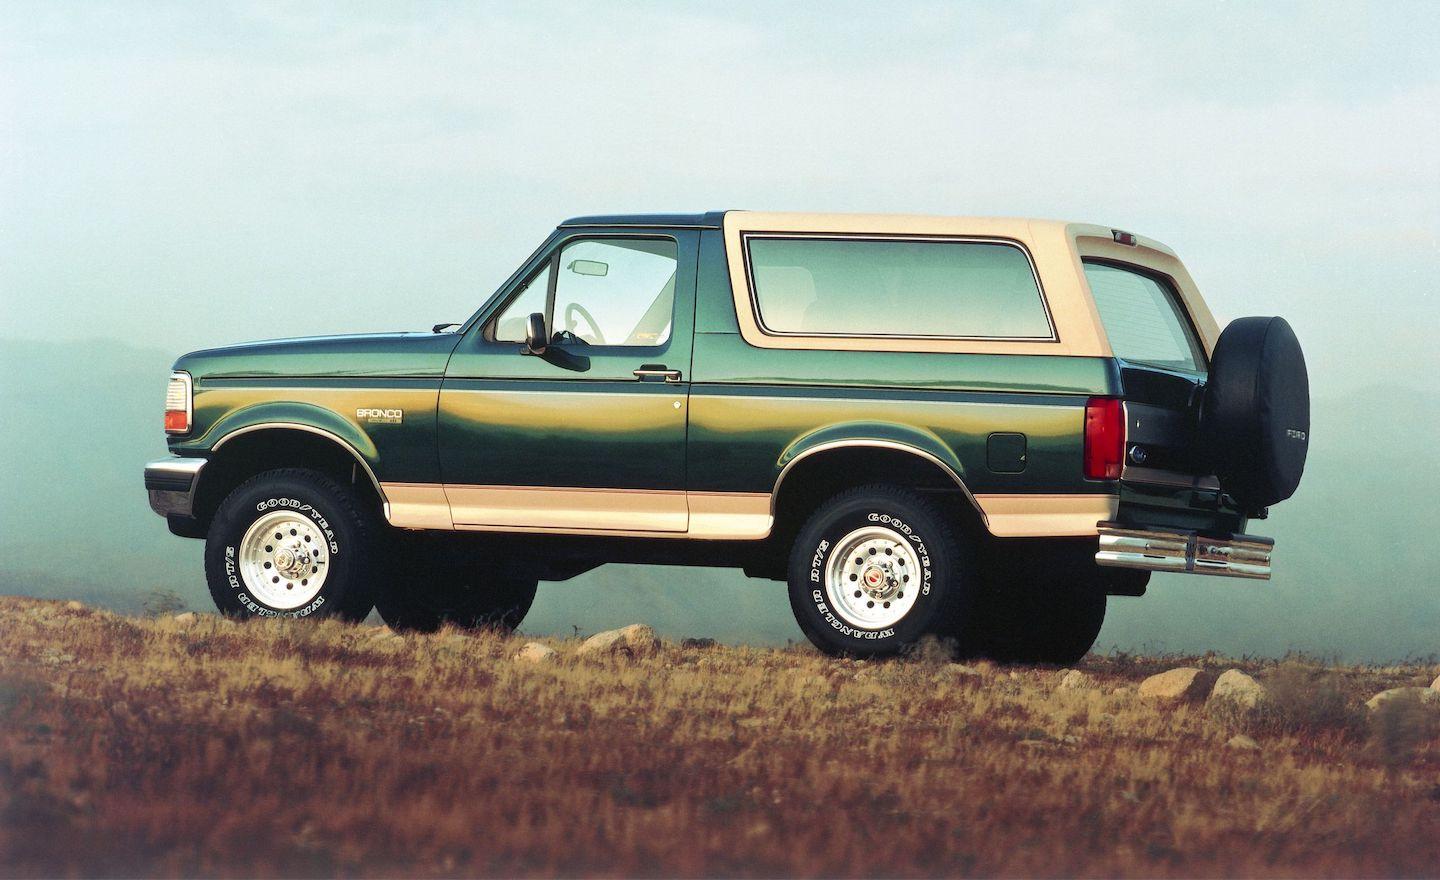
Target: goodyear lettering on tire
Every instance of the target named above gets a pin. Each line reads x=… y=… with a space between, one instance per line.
x=232 y=574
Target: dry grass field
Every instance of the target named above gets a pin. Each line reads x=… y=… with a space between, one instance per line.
x=163 y=747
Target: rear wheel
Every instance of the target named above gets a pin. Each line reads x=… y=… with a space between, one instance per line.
x=876 y=569
x=436 y=584
x=292 y=543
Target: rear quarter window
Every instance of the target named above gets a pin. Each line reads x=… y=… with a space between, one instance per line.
x=1143 y=318
x=853 y=286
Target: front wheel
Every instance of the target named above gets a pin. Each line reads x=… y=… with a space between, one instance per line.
x=875 y=570
x=292 y=543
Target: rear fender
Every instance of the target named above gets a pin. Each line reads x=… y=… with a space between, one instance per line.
x=878 y=435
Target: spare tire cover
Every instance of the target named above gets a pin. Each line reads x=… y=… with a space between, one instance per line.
x=1255 y=419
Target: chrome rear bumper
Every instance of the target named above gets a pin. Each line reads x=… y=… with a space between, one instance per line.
x=1244 y=556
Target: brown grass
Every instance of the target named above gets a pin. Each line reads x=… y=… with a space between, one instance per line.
x=132 y=746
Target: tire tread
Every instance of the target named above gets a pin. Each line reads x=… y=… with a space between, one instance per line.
x=357 y=601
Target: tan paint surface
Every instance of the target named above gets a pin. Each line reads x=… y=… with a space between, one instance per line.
x=1036 y=516
x=1055 y=247
x=733 y=516
x=1097 y=241
x=736 y=516
x=1046 y=241
x=640 y=510
x=417 y=506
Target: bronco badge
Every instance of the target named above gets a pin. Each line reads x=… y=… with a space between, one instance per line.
x=380 y=416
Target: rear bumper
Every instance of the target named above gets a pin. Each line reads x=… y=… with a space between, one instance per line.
x=1186 y=552
x=171 y=484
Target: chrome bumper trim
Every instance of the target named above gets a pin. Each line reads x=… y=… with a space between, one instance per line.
x=1186 y=552
x=171 y=484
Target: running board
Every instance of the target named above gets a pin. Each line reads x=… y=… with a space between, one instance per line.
x=1184 y=552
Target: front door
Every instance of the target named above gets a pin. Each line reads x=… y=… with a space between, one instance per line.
x=590 y=435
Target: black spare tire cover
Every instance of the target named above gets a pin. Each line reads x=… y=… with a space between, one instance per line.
x=1255 y=418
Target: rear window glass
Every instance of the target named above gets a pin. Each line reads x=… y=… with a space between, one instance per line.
x=814 y=285
x=1143 y=319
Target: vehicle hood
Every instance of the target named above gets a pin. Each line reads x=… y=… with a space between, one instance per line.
x=363 y=354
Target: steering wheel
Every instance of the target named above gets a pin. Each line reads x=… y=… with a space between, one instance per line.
x=574 y=309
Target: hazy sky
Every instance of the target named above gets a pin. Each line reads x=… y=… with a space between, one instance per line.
x=189 y=174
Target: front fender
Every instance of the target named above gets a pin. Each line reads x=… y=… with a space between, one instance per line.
x=286 y=414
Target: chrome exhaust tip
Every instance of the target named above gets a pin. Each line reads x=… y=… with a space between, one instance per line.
x=1184 y=552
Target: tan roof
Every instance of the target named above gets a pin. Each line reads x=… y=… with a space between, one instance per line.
x=1055 y=248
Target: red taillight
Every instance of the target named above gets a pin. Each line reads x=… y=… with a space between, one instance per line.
x=1104 y=438
x=177 y=421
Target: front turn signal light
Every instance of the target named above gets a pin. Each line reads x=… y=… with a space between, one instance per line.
x=178 y=396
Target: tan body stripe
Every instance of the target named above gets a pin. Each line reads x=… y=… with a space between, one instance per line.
x=417 y=506
x=545 y=507
x=1036 y=516
x=735 y=516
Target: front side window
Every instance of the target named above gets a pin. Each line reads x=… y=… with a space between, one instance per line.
x=607 y=291
x=510 y=326
x=1143 y=319
x=616 y=291
x=814 y=285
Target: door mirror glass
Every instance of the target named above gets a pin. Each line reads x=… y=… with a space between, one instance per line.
x=536 y=339
x=589 y=267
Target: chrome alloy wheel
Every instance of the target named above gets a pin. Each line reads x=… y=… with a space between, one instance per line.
x=872 y=578
x=284 y=559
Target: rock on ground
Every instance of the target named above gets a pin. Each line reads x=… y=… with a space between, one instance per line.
x=1435 y=685
x=1237 y=689
x=637 y=638
x=76 y=606
x=1073 y=679
x=534 y=652
x=1242 y=742
x=187 y=618
x=1183 y=684
x=1426 y=696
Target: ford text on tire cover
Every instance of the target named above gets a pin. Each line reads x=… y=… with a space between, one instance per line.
x=967 y=428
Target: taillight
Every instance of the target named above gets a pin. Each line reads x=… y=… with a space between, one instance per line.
x=1104 y=438
x=177 y=404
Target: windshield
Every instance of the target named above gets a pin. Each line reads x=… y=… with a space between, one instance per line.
x=1143 y=318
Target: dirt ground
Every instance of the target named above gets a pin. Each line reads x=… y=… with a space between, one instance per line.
x=202 y=746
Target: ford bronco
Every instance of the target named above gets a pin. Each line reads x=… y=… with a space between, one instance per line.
x=974 y=429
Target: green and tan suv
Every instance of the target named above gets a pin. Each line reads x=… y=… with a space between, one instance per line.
x=971 y=428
